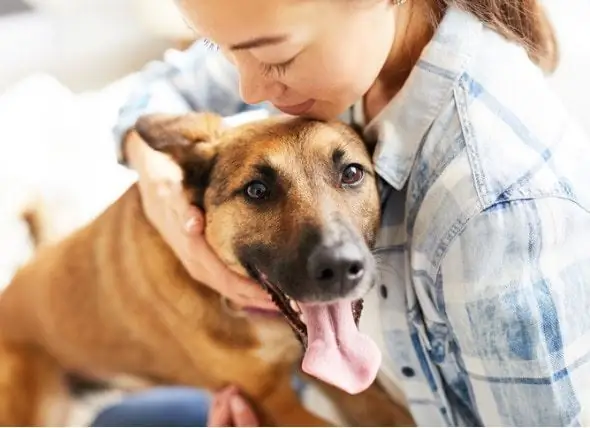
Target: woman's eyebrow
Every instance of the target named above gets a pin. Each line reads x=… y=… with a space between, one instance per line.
x=259 y=42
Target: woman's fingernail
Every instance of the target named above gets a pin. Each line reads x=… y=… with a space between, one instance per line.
x=237 y=404
x=191 y=225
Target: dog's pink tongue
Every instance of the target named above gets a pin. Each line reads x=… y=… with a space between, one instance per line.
x=337 y=352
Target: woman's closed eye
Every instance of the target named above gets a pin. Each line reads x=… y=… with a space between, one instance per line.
x=277 y=70
x=268 y=70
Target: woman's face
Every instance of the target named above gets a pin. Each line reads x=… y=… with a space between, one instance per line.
x=306 y=57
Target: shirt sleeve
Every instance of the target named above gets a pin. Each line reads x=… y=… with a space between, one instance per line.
x=516 y=286
x=196 y=79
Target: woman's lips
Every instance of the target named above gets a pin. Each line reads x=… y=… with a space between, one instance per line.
x=297 y=109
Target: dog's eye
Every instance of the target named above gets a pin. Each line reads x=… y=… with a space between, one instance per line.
x=352 y=175
x=257 y=190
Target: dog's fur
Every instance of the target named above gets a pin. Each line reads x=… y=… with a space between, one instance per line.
x=113 y=299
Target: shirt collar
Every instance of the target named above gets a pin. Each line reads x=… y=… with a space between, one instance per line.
x=401 y=126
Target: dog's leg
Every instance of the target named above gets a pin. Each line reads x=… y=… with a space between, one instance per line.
x=32 y=387
x=282 y=408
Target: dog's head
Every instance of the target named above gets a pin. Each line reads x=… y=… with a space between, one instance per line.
x=293 y=203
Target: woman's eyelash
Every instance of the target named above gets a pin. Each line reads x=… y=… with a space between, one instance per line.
x=267 y=69
x=277 y=69
x=210 y=45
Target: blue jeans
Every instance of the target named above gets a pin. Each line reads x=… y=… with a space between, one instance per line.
x=165 y=406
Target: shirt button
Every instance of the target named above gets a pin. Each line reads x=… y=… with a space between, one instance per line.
x=408 y=372
x=383 y=291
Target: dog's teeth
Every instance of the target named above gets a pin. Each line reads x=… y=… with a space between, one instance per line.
x=294 y=306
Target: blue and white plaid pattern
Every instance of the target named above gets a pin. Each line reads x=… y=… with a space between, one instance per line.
x=484 y=250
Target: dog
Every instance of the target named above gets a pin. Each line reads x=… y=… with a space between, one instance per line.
x=291 y=202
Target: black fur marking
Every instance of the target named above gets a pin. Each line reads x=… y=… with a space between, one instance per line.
x=197 y=177
x=266 y=172
x=338 y=156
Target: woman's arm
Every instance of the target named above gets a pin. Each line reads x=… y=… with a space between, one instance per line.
x=516 y=287
x=196 y=79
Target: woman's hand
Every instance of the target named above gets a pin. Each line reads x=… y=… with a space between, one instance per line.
x=181 y=225
x=230 y=409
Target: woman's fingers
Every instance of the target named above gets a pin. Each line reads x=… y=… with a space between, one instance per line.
x=241 y=412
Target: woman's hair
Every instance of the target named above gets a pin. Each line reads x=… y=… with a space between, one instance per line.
x=522 y=21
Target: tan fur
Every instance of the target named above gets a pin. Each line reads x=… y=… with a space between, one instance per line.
x=112 y=299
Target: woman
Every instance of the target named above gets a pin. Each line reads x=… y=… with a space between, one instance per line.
x=482 y=306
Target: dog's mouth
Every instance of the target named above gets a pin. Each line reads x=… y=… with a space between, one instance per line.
x=335 y=351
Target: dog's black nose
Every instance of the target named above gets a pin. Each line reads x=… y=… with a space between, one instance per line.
x=338 y=268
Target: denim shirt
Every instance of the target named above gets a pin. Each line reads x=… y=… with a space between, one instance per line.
x=483 y=297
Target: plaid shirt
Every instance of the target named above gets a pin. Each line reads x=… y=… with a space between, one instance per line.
x=484 y=254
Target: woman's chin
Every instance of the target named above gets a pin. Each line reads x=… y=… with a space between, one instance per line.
x=325 y=112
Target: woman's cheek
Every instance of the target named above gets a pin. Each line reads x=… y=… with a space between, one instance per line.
x=314 y=85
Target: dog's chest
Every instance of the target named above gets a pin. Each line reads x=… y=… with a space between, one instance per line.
x=277 y=342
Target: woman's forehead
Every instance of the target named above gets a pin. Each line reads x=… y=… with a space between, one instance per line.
x=234 y=22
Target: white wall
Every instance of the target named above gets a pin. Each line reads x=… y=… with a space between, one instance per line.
x=84 y=43
x=572 y=79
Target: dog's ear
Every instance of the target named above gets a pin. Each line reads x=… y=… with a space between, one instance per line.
x=183 y=137
x=189 y=139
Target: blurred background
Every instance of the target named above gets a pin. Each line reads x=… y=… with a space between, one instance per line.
x=84 y=43
x=65 y=68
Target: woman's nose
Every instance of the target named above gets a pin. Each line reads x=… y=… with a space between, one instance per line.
x=256 y=88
